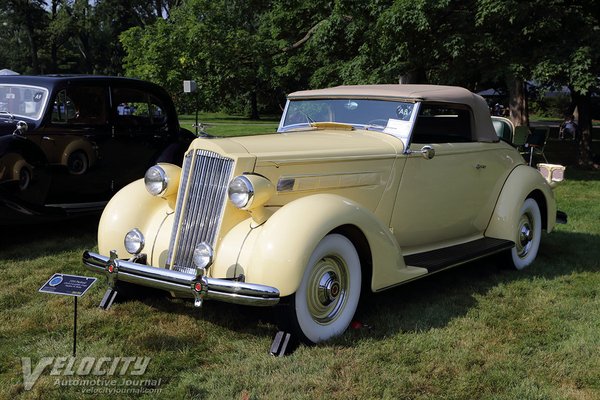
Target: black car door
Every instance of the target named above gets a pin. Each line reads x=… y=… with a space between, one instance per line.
x=141 y=130
x=73 y=141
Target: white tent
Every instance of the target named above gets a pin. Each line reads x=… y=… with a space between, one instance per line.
x=8 y=72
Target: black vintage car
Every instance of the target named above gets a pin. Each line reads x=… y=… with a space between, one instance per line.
x=67 y=143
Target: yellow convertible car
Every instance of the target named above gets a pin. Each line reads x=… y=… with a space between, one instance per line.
x=362 y=188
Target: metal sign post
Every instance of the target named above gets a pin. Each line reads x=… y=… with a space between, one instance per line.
x=190 y=87
x=69 y=285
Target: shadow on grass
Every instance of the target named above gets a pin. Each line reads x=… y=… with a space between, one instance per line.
x=24 y=242
x=434 y=301
x=418 y=306
x=577 y=174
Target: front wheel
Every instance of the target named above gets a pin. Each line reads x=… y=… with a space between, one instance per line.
x=325 y=303
x=528 y=235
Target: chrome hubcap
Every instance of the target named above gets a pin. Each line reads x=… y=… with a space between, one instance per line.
x=327 y=289
x=525 y=238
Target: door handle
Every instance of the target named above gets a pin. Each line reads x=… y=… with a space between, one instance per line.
x=47 y=138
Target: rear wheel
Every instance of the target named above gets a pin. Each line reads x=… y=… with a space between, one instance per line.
x=325 y=303
x=528 y=235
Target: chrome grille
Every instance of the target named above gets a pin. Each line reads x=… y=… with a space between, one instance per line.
x=200 y=204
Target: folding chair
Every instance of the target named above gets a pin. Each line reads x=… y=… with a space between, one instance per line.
x=536 y=141
x=520 y=137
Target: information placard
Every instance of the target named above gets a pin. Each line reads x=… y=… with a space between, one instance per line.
x=68 y=285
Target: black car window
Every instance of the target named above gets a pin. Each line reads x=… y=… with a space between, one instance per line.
x=443 y=123
x=84 y=105
x=133 y=108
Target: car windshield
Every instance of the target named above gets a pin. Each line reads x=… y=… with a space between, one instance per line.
x=383 y=115
x=22 y=101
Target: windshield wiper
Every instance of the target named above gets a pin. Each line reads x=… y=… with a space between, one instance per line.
x=310 y=120
x=371 y=127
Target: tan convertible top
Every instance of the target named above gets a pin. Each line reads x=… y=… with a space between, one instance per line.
x=431 y=93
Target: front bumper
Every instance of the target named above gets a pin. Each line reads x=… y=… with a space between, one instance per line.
x=187 y=285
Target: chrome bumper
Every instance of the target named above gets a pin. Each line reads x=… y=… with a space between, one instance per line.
x=200 y=288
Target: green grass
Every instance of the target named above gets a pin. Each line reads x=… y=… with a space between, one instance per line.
x=218 y=124
x=478 y=331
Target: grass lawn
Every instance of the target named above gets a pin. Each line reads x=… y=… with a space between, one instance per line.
x=218 y=124
x=475 y=332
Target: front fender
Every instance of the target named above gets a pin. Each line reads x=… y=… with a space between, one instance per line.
x=523 y=182
x=276 y=253
x=132 y=207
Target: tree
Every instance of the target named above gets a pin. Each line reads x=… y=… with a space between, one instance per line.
x=24 y=22
x=233 y=49
x=573 y=60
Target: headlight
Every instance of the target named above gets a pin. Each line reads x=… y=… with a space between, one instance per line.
x=250 y=191
x=156 y=180
x=134 y=241
x=203 y=255
x=240 y=191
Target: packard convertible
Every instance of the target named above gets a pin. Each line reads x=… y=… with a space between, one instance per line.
x=363 y=188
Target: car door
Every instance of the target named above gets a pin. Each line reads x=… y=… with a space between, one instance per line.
x=141 y=131
x=72 y=140
x=447 y=199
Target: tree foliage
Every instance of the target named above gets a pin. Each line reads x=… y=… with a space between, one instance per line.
x=246 y=55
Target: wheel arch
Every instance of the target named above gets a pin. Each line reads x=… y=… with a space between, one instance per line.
x=542 y=202
x=279 y=251
x=361 y=244
x=524 y=182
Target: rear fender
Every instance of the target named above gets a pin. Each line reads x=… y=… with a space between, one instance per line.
x=522 y=183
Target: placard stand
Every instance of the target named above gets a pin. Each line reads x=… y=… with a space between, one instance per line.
x=74 y=326
x=69 y=285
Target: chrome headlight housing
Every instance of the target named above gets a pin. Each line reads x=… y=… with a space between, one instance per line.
x=250 y=191
x=203 y=255
x=134 y=241
x=240 y=191
x=156 y=180
x=162 y=180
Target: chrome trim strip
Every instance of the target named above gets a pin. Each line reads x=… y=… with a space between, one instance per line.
x=179 y=282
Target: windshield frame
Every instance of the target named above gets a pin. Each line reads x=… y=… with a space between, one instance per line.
x=40 y=97
x=395 y=116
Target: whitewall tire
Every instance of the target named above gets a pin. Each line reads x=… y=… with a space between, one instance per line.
x=528 y=235
x=325 y=303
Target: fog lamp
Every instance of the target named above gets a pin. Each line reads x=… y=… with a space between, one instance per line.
x=134 y=241
x=203 y=256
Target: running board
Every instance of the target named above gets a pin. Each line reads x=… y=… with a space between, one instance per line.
x=437 y=260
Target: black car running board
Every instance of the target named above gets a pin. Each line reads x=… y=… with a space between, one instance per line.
x=447 y=257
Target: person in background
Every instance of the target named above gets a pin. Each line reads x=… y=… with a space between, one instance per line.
x=568 y=128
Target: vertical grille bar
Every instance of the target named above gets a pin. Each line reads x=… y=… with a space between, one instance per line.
x=200 y=205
